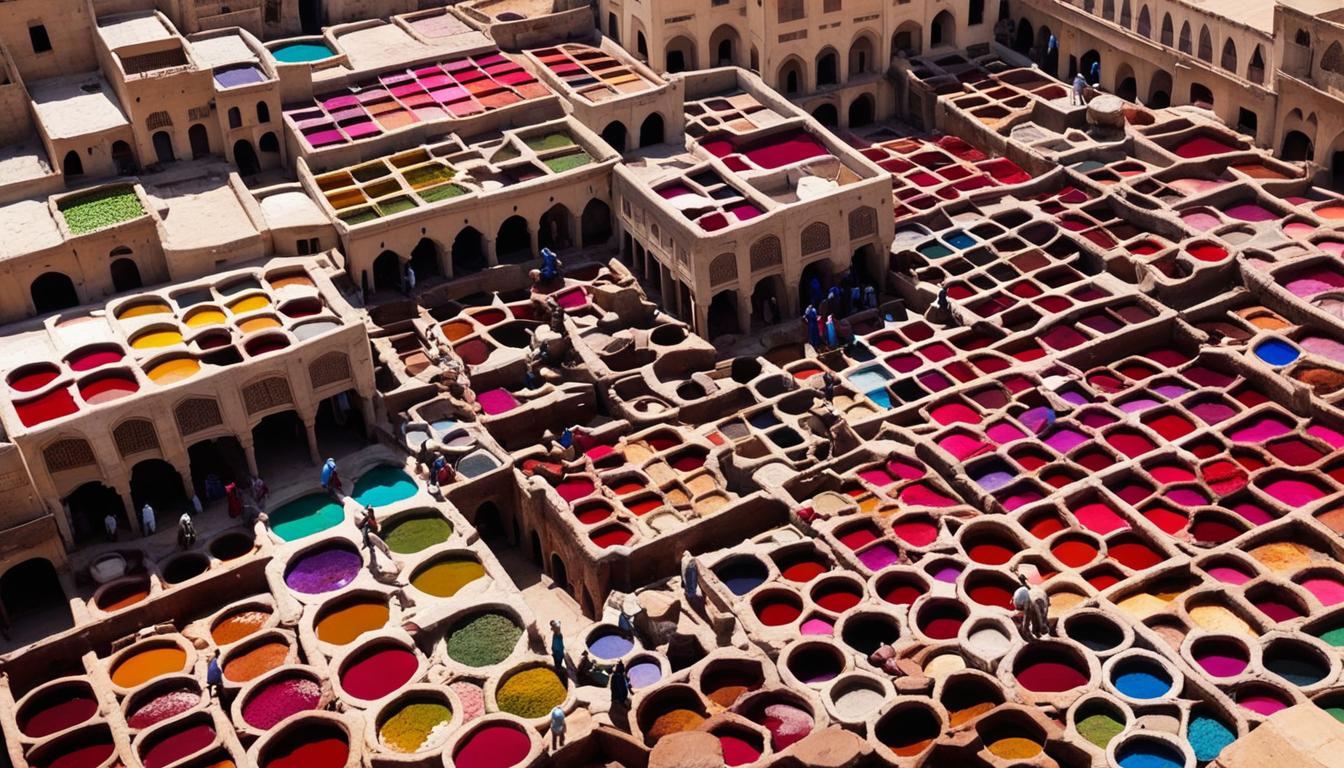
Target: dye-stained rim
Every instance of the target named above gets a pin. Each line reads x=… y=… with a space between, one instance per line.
x=497 y=681
x=45 y=690
x=164 y=729
x=411 y=694
x=158 y=686
x=250 y=643
x=158 y=641
x=1168 y=741
x=388 y=639
x=310 y=722
x=251 y=688
x=78 y=734
x=262 y=603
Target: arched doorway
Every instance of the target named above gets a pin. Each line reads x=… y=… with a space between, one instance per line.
x=723 y=315
x=820 y=271
x=340 y=424
x=1126 y=86
x=245 y=157
x=157 y=483
x=827 y=115
x=862 y=60
x=907 y=40
x=387 y=272
x=468 y=252
x=125 y=275
x=270 y=149
x=123 y=158
x=943 y=30
x=215 y=463
x=1201 y=96
x=88 y=505
x=1047 y=48
x=613 y=28
x=535 y=551
x=72 y=166
x=200 y=141
x=163 y=147
x=767 y=288
x=513 y=243
x=863 y=265
x=31 y=596
x=616 y=135
x=1091 y=67
x=425 y=259
x=828 y=68
x=1296 y=147
x=651 y=130
x=554 y=229
x=596 y=223
x=1025 y=37
x=641 y=46
x=52 y=291
x=724 y=42
x=790 y=79
x=281 y=440
x=680 y=55
x=558 y=572
x=1159 y=90
x=861 y=111
x=489 y=524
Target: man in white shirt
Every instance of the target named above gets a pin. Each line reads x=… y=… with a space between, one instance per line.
x=147 y=519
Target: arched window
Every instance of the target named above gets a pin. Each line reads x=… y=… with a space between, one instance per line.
x=1229 y=61
x=235 y=117
x=1205 y=44
x=1333 y=60
x=263 y=112
x=1145 y=26
x=1168 y=35
x=1125 y=17
x=1186 y=44
x=1255 y=71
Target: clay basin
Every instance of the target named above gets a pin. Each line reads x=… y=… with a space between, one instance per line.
x=908 y=728
x=56 y=707
x=1050 y=668
x=89 y=745
x=311 y=741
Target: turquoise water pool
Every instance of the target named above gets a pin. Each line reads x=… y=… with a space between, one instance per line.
x=305 y=516
x=384 y=484
x=299 y=53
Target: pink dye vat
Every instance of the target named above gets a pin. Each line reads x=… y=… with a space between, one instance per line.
x=1200 y=220
x=1294 y=492
x=953 y=413
x=1100 y=518
x=1328 y=591
x=1228 y=575
x=1203 y=146
x=496 y=401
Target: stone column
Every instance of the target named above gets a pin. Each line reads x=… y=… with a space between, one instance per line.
x=310 y=428
x=122 y=485
x=249 y=447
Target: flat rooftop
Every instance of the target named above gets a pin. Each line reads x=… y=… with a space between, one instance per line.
x=25 y=161
x=28 y=226
x=291 y=209
x=445 y=26
x=200 y=213
x=221 y=51
x=76 y=105
x=514 y=10
x=133 y=29
x=384 y=45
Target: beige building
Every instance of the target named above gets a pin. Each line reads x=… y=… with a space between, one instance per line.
x=1309 y=51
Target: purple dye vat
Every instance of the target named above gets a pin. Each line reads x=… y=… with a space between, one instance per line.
x=745 y=212
x=644 y=673
x=1251 y=212
x=1140 y=404
x=279 y=699
x=496 y=401
x=1170 y=391
x=232 y=77
x=879 y=556
x=1260 y=430
x=947 y=574
x=1065 y=440
x=324 y=570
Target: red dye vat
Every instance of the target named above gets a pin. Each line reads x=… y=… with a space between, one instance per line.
x=612 y=536
x=641 y=507
x=1050 y=677
x=777 y=613
x=1203 y=146
x=1224 y=477
x=330 y=752
x=1129 y=443
x=106 y=388
x=1100 y=518
x=266 y=344
x=738 y=751
x=916 y=533
x=858 y=537
x=919 y=494
x=1134 y=555
x=574 y=488
x=804 y=571
x=1171 y=473
x=688 y=462
x=1206 y=251
x=53 y=405
x=786 y=149
x=1213 y=531
x=1074 y=553
x=941 y=622
x=375 y=674
x=990 y=554
x=592 y=513
x=178 y=745
x=87 y=361
x=1046 y=526
x=1295 y=452
x=1101 y=581
x=901 y=594
x=1168 y=520
x=87 y=755
x=837 y=598
x=63 y=709
x=1278 y=611
x=472 y=351
x=992 y=595
x=34 y=378
x=1171 y=426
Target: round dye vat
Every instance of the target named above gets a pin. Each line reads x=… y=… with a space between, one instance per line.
x=1328 y=591
x=84 y=749
x=739 y=748
x=1208 y=736
x=644 y=673
x=416 y=533
x=915 y=531
x=31 y=378
x=1148 y=753
x=142 y=666
x=198 y=318
x=249 y=304
x=777 y=609
x=254 y=324
x=383 y=485
x=1140 y=678
x=1074 y=551
x=173 y=370
x=446 y=576
x=1220 y=656
x=493 y=746
x=594 y=512
x=611 y=536
x=1099 y=723
x=483 y=640
x=88 y=358
x=609 y=644
x=572 y=489
x=278 y=698
x=991 y=552
x=375 y=672
x=168 y=702
x=1277 y=352
x=342 y=625
x=532 y=693
x=941 y=620
x=255 y=661
x=262 y=345
x=1261 y=700
x=323 y=570
x=56 y=710
x=156 y=337
x=299 y=53
x=802 y=569
x=1134 y=555
x=305 y=516
x=237 y=625
x=1296 y=663
x=908 y=731
x=96 y=390
x=416 y=726
x=741 y=574
x=143 y=309
x=837 y=595
x=166 y=749
x=1206 y=251
x=1040 y=676
x=814 y=664
x=308 y=746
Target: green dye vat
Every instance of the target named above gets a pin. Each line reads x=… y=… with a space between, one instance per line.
x=484 y=641
x=935 y=251
x=1334 y=637
x=417 y=534
x=306 y=516
x=568 y=162
x=100 y=209
x=395 y=205
x=1336 y=712
x=427 y=175
x=550 y=141
x=1100 y=729
x=358 y=216
x=445 y=192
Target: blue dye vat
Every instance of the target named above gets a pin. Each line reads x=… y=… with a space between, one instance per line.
x=742 y=575
x=880 y=396
x=869 y=379
x=1277 y=352
x=1147 y=753
x=959 y=240
x=763 y=419
x=384 y=484
x=1141 y=682
x=1208 y=737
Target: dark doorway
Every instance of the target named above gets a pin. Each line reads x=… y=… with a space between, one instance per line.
x=32 y=598
x=468 y=252
x=805 y=297
x=828 y=69
x=651 y=131
x=163 y=147
x=123 y=158
x=1296 y=147
x=1127 y=89
x=340 y=424
x=125 y=275
x=216 y=463
x=613 y=28
x=536 y=549
x=725 y=53
x=558 y=573
x=310 y=16
x=72 y=165
x=862 y=265
x=387 y=272
x=766 y=289
x=1048 y=49
x=1337 y=170
x=554 y=232
x=1025 y=37
x=269 y=143
x=280 y=440
x=861 y=111
x=616 y=135
x=200 y=141
x=425 y=259
x=676 y=61
x=1159 y=90
x=1248 y=122
x=827 y=115
x=245 y=157
x=157 y=483
x=489 y=524
x=1201 y=96
x=596 y=223
x=88 y=505
x=52 y=291
x=723 y=314
x=1091 y=67
x=513 y=244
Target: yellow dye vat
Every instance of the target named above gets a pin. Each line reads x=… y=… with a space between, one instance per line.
x=202 y=317
x=140 y=310
x=154 y=339
x=258 y=324
x=249 y=304
x=174 y=370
